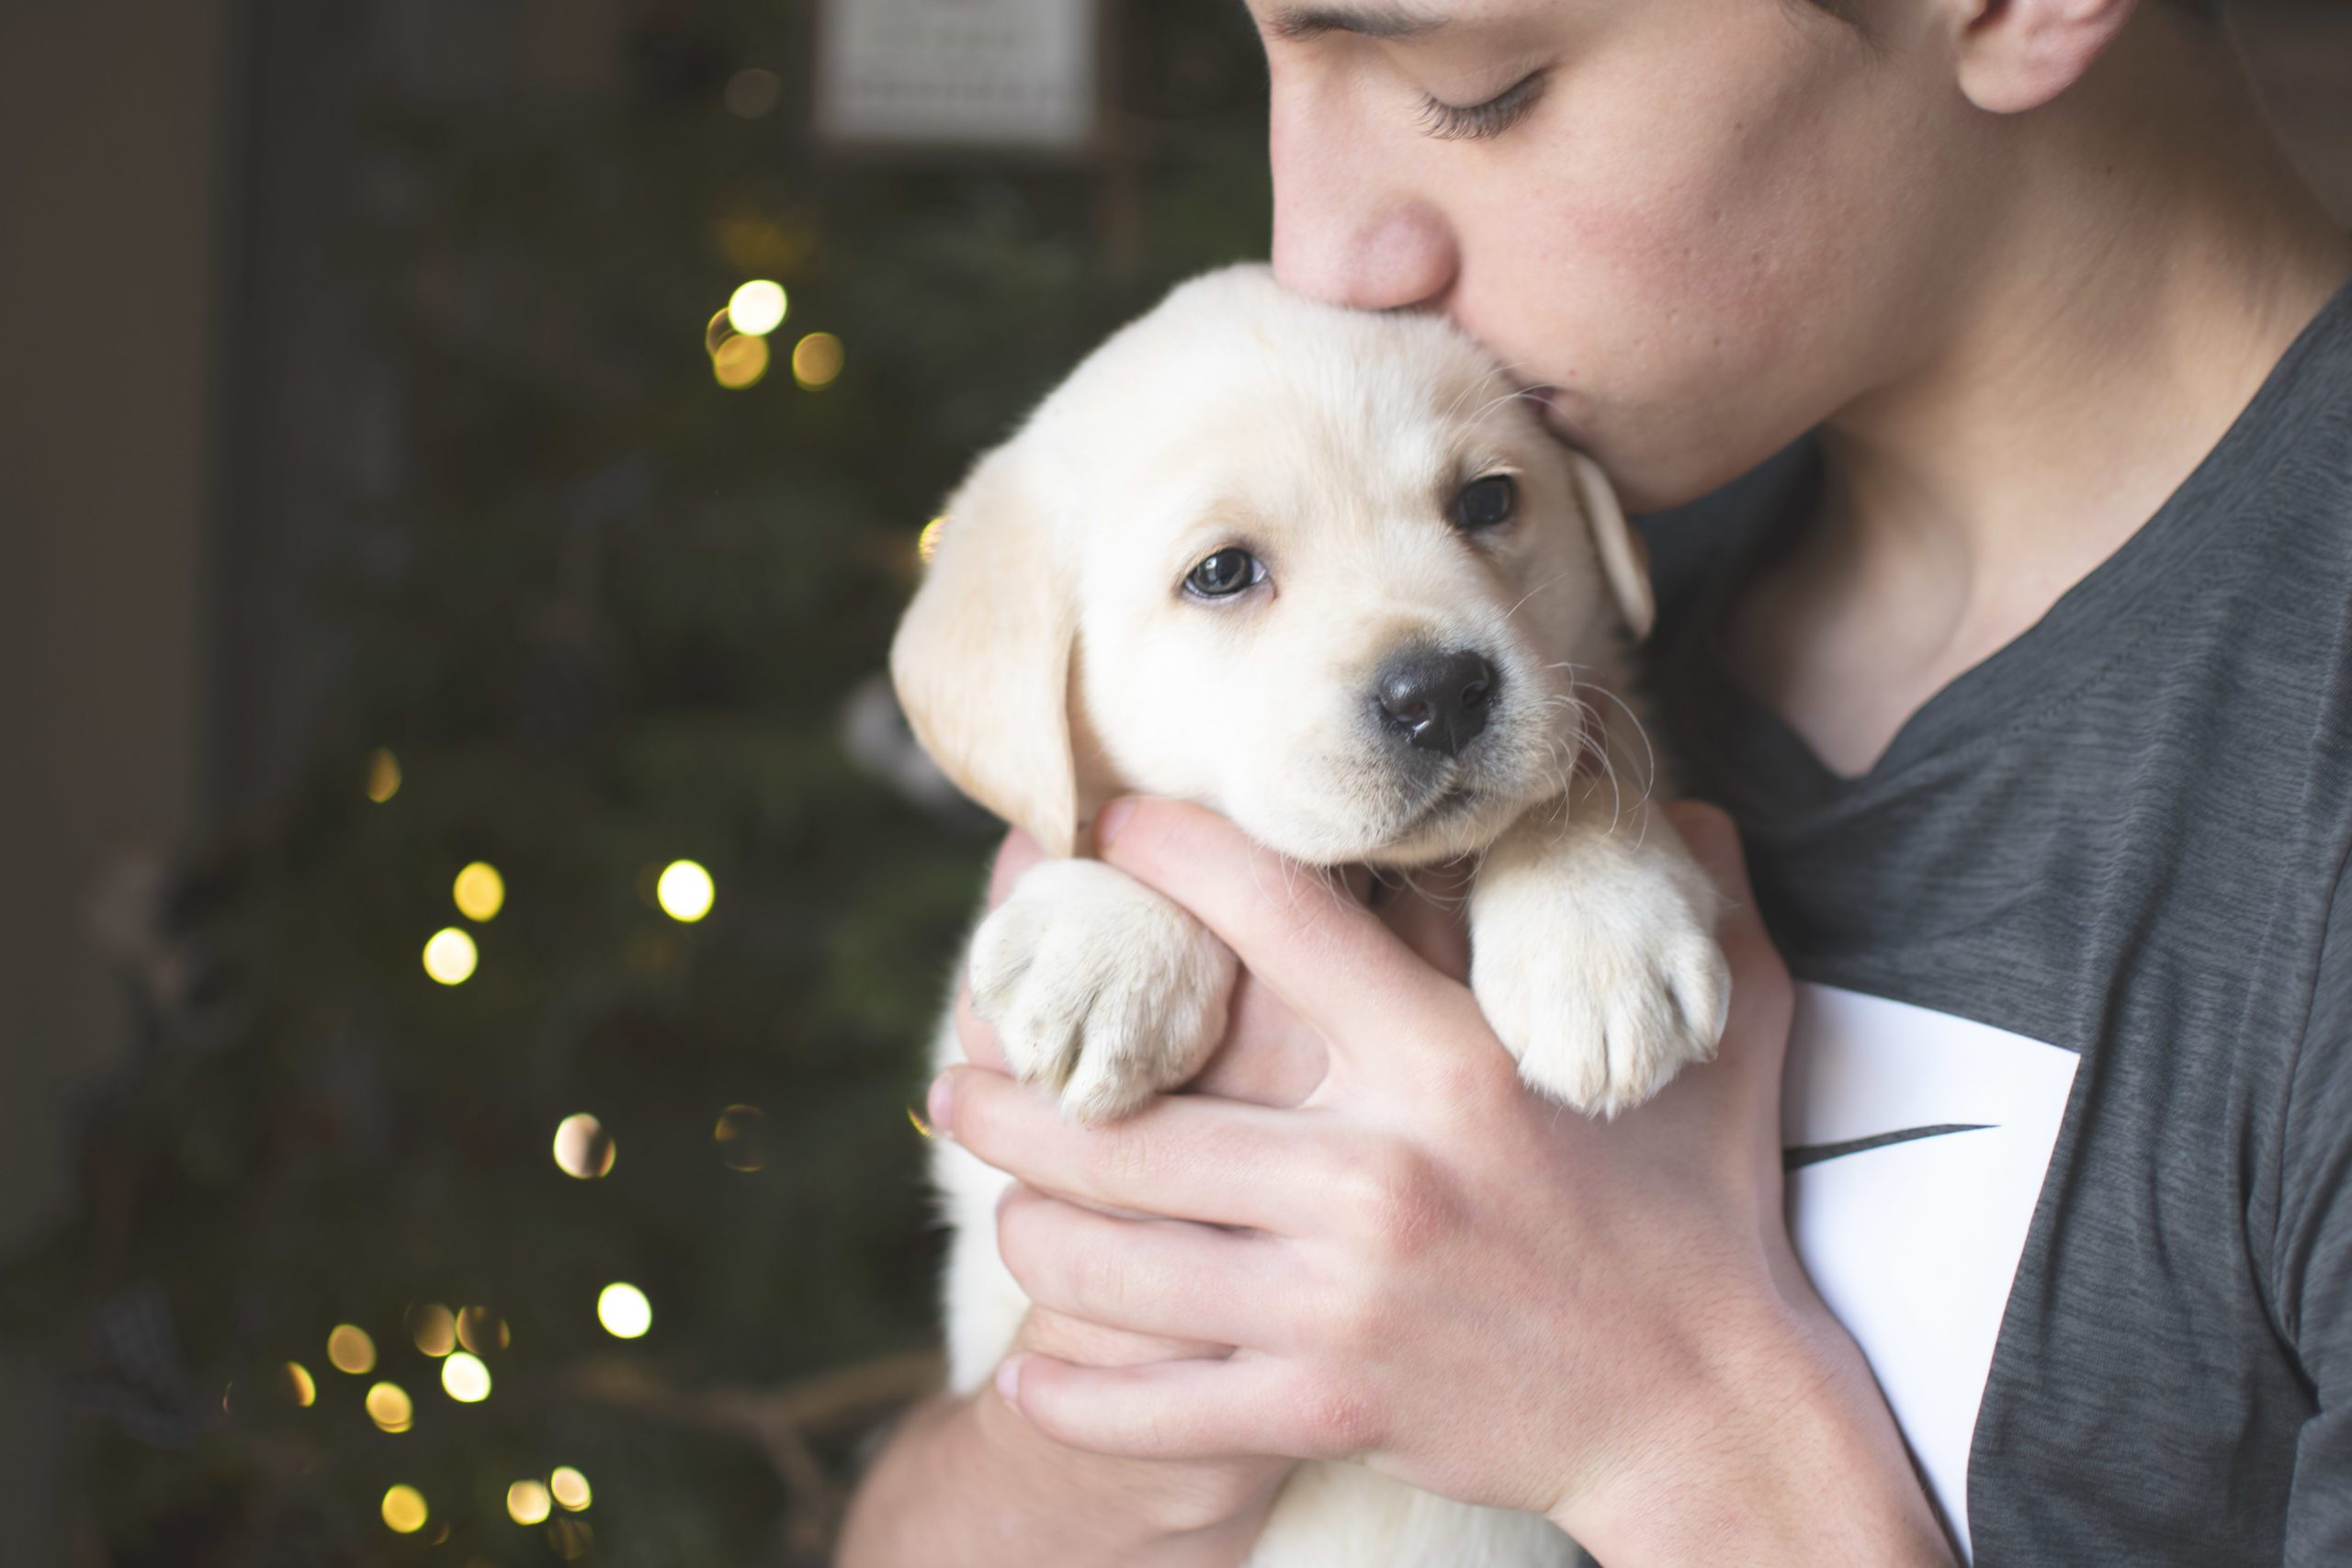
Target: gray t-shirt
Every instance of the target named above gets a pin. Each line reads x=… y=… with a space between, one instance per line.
x=2070 y=1094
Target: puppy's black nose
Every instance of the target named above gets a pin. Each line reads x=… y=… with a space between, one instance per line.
x=1436 y=702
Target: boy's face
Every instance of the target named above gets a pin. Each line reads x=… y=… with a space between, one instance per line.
x=1707 y=223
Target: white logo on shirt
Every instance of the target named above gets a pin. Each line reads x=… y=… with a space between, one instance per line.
x=1917 y=1144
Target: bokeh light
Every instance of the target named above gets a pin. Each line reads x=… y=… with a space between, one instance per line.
x=753 y=93
x=927 y=542
x=624 y=1311
x=817 y=360
x=758 y=308
x=350 y=1351
x=743 y=1137
x=740 y=362
x=479 y=892
x=582 y=1148
x=434 y=1331
x=481 y=1330
x=527 y=1504
x=685 y=891
x=570 y=1488
x=383 y=776
x=450 y=956
x=300 y=1387
x=390 y=1407
x=465 y=1378
x=404 y=1509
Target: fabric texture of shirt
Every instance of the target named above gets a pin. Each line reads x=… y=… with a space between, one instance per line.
x=2069 y=1103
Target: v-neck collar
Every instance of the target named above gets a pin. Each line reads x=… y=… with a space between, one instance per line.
x=2084 y=636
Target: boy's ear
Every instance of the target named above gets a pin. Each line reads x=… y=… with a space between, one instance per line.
x=1625 y=560
x=2017 y=55
x=982 y=658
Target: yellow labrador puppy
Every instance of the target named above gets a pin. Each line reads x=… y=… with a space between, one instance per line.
x=1323 y=572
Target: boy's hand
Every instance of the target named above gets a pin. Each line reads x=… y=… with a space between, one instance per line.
x=1427 y=1267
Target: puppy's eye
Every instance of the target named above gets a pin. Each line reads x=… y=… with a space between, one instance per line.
x=1226 y=573
x=1487 y=502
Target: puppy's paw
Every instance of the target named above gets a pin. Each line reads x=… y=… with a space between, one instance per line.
x=1098 y=988
x=1603 y=978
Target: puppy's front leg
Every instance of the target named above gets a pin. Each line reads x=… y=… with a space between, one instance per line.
x=1100 y=988
x=1593 y=954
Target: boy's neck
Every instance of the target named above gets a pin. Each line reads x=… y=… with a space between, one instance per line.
x=2156 y=257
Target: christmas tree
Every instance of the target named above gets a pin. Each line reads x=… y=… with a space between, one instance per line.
x=514 y=1165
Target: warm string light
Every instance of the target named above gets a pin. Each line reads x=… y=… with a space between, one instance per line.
x=450 y=956
x=527 y=1503
x=743 y=1137
x=817 y=361
x=383 y=776
x=584 y=1150
x=350 y=1351
x=685 y=891
x=758 y=308
x=624 y=1311
x=391 y=1408
x=481 y=1330
x=570 y=1488
x=404 y=1509
x=927 y=542
x=432 y=1329
x=300 y=1387
x=479 y=892
x=464 y=1378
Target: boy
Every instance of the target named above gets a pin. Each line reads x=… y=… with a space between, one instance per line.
x=2029 y=684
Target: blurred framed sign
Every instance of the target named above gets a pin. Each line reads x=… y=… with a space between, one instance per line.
x=958 y=73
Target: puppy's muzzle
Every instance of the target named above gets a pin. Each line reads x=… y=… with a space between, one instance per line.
x=1435 y=701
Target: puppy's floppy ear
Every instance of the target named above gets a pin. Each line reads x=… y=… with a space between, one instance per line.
x=1625 y=559
x=981 y=661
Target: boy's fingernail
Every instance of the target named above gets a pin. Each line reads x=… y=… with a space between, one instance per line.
x=1008 y=1381
x=941 y=1104
x=1111 y=818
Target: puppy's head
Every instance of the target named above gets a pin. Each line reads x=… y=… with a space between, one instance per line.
x=1319 y=569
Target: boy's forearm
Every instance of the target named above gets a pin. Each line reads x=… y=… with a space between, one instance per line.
x=966 y=1483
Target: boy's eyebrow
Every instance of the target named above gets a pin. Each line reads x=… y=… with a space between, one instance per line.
x=1296 y=22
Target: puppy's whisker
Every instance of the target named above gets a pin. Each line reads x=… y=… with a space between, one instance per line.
x=1535 y=591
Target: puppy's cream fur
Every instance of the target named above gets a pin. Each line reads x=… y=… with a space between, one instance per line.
x=1053 y=658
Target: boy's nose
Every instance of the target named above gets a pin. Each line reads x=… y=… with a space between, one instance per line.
x=1343 y=232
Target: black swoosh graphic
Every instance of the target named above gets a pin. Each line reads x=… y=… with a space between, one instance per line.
x=1814 y=1153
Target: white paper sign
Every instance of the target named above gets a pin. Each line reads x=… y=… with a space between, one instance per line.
x=988 y=72
x=1920 y=1142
